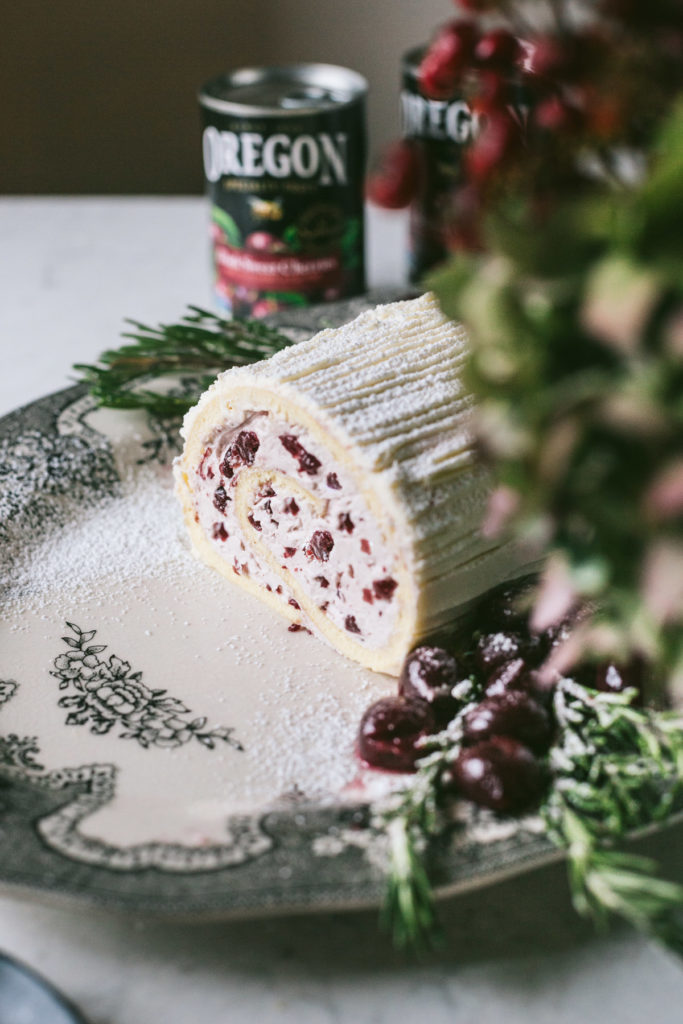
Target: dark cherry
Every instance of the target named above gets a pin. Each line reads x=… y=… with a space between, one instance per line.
x=319 y=546
x=308 y=463
x=513 y=714
x=499 y=773
x=389 y=731
x=494 y=649
x=516 y=676
x=429 y=674
x=511 y=675
x=254 y=522
x=507 y=609
x=351 y=625
x=333 y=482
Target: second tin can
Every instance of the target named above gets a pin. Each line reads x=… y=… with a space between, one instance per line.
x=440 y=129
x=284 y=161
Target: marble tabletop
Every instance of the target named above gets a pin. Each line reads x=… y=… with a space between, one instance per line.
x=70 y=270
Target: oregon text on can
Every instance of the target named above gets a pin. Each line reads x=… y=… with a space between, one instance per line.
x=437 y=119
x=252 y=155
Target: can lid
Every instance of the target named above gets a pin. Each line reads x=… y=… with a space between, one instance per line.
x=288 y=89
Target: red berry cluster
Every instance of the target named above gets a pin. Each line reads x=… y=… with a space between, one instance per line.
x=539 y=98
x=506 y=731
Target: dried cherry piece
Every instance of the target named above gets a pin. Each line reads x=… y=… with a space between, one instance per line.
x=220 y=498
x=351 y=625
x=244 y=447
x=345 y=522
x=389 y=732
x=308 y=463
x=429 y=674
x=499 y=773
x=384 y=589
x=514 y=714
x=319 y=546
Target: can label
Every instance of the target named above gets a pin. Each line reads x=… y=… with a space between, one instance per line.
x=441 y=129
x=286 y=193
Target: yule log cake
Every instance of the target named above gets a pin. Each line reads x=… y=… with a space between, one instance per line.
x=337 y=482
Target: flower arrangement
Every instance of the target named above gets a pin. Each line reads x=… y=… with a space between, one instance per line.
x=567 y=268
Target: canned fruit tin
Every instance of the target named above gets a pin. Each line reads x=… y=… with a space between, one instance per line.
x=284 y=160
x=440 y=129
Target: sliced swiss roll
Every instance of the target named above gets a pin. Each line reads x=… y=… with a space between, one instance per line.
x=337 y=482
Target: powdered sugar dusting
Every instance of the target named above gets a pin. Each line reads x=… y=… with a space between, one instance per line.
x=111 y=543
x=117 y=560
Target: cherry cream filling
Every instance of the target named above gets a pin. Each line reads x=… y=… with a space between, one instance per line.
x=280 y=510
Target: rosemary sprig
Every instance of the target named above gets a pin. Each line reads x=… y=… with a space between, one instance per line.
x=616 y=769
x=197 y=348
x=410 y=820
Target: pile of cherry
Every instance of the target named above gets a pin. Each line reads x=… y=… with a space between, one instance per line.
x=509 y=725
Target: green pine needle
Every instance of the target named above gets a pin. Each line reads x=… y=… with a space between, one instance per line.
x=196 y=349
x=616 y=770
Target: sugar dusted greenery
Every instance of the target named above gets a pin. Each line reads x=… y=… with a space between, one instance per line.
x=616 y=769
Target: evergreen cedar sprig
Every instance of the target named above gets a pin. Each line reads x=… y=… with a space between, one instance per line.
x=197 y=348
x=616 y=769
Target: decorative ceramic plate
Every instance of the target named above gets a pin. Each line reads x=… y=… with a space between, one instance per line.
x=166 y=744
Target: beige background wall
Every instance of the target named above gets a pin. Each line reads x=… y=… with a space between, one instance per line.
x=98 y=96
